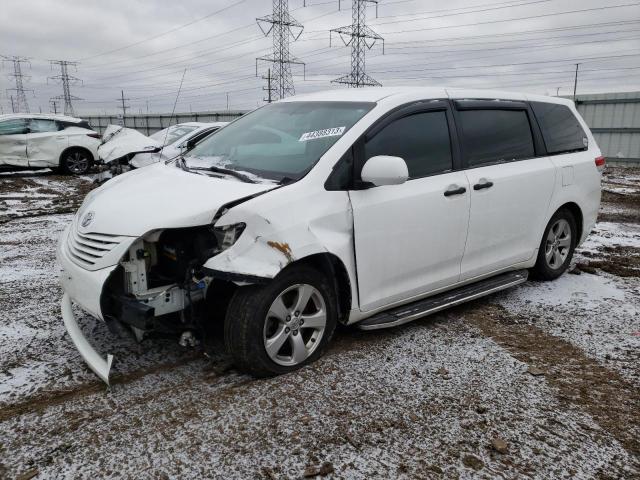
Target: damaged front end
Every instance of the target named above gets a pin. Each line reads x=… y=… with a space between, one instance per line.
x=160 y=284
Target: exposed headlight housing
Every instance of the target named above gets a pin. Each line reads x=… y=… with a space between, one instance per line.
x=227 y=235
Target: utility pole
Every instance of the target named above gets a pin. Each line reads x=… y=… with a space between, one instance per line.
x=13 y=105
x=124 y=106
x=227 y=101
x=281 y=26
x=361 y=38
x=21 y=105
x=66 y=80
x=575 y=83
x=269 y=88
x=54 y=105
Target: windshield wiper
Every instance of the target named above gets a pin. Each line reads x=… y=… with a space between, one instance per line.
x=286 y=180
x=225 y=171
x=182 y=162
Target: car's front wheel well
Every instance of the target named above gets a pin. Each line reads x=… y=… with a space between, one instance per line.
x=333 y=268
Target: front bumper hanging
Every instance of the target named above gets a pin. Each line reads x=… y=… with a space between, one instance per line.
x=99 y=365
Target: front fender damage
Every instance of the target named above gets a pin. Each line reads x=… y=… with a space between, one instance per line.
x=264 y=249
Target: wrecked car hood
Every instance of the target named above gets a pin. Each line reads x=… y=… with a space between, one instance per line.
x=119 y=142
x=160 y=196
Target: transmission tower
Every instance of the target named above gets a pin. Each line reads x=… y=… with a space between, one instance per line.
x=19 y=104
x=66 y=80
x=361 y=38
x=282 y=28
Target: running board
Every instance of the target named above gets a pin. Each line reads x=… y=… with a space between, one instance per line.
x=422 y=308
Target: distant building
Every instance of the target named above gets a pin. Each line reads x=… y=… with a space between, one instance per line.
x=614 y=119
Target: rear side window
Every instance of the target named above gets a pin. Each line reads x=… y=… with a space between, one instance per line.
x=560 y=128
x=421 y=139
x=40 y=125
x=494 y=136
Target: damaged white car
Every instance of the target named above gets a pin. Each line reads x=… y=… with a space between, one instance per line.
x=63 y=143
x=128 y=148
x=372 y=207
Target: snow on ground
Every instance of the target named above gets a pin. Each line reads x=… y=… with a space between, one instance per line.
x=541 y=381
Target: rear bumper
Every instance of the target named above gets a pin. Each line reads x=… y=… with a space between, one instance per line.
x=101 y=366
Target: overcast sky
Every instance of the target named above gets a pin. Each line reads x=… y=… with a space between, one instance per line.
x=143 y=48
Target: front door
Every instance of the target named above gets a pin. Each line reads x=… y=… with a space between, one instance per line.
x=13 y=142
x=409 y=238
x=45 y=143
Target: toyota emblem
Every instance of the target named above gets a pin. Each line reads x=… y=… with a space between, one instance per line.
x=87 y=219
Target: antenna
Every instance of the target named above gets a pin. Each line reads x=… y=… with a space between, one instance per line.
x=19 y=104
x=281 y=25
x=174 y=109
x=361 y=38
x=66 y=80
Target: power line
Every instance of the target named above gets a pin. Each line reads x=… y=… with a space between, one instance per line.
x=361 y=39
x=19 y=104
x=529 y=17
x=282 y=27
x=66 y=80
x=163 y=33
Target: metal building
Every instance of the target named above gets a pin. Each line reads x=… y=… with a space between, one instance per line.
x=614 y=119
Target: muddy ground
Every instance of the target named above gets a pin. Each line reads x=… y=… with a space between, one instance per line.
x=542 y=381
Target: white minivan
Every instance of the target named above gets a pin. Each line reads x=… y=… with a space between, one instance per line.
x=63 y=143
x=369 y=207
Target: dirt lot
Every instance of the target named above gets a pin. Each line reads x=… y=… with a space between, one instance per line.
x=542 y=381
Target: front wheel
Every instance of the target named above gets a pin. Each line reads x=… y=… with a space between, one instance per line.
x=76 y=161
x=557 y=246
x=279 y=327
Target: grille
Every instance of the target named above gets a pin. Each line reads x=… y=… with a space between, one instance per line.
x=86 y=249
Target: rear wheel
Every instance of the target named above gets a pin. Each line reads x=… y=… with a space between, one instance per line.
x=557 y=246
x=279 y=327
x=76 y=161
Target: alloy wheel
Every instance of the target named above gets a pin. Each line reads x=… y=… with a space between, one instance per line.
x=294 y=325
x=77 y=162
x=558 y=244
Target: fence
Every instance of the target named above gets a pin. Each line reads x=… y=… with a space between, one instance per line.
x=614 y=119
x=152 y=123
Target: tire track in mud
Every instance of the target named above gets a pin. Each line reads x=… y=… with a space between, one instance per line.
x=43 y=401
x=612 y=401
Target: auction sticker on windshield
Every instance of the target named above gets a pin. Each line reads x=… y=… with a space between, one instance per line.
x=327 y=132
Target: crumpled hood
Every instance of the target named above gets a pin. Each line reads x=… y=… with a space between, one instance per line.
x=118 y=142
x=160 y=196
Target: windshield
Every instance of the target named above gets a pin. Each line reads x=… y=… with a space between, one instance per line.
x=175 y=133
x=279 y=141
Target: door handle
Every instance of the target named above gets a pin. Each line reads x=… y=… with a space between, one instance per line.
x=455 y=191
x=485 y=184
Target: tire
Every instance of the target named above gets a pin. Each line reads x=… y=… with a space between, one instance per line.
x=256 y=317
x=556 y=250
x=76 y=161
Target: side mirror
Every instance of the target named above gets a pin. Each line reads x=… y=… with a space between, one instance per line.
x=385 y=170
x=190 y=144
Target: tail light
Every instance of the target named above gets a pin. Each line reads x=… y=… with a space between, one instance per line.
x=600 y=163
x=94 y=135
